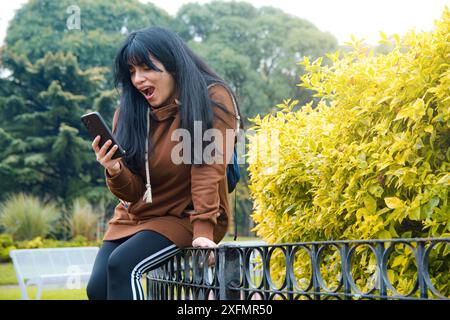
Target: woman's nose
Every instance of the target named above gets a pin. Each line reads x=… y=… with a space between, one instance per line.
x=139 y=76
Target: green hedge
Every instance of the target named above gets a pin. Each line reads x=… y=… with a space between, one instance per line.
x=7 y=244
x=372 y=160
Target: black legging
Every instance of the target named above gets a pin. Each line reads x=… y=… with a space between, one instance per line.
x=120 y=264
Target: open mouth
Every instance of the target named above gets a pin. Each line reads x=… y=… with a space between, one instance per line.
x=148 y=92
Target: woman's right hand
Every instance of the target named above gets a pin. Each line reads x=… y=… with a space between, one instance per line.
x=112 y=165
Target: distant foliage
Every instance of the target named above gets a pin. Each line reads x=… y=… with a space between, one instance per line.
x=7 y=244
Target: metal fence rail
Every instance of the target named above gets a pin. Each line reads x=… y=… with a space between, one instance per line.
x=353 y=269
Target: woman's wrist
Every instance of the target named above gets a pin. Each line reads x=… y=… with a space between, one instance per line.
x=114 y=170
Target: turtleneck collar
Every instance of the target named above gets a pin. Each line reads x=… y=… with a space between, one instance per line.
x=166 y=110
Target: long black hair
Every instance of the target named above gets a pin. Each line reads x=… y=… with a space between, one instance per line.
x=192 y=76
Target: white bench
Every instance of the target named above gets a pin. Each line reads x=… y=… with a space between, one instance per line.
x=69 y=267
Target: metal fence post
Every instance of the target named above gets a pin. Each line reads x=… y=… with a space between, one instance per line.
x=346 y=271
x=149 y=291
x=229 y=273
x=289 y=266
x=423 y=290
x=315 y=271
x=379 y=256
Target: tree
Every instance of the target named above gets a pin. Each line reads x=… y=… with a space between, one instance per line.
x=256 y=50
x=43 y=146
x=51 y=75
x=103 y=24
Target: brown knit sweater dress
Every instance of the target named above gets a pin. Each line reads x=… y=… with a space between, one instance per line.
x=186 y=198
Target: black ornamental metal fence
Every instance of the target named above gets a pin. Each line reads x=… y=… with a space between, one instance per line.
x=355 y=269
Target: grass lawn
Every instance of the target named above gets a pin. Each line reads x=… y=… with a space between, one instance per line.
x=7 y=274
x=9 y=290
x=13 y=293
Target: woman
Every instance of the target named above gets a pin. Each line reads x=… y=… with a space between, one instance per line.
x=166 y=91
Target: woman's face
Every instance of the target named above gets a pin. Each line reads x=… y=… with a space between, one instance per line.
x=154 y=85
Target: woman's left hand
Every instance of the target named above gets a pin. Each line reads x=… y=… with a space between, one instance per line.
x=202 y=242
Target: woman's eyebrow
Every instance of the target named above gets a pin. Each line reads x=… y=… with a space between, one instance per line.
x=132 y=66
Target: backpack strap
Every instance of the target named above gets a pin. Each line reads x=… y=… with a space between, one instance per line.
x=236 y=111
x=238 y=123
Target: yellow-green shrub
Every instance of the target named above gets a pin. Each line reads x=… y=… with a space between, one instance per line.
x=372 y=160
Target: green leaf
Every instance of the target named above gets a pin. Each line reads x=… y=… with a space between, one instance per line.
x=399 y=260
x=376 y=190
x=290 y=208
x=419 y=108
x=404 y=113
x=434 y=202
x=391 y=275
x=414 y=213
x=444 y=180
x=384 y=234
x=419 y=144
x=392 y=230
x=427 y=210
x=407 y=234
x=370 y=203
x=429 y=129
x=394 y=202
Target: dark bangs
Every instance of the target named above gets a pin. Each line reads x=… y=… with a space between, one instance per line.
x=131 y=125
x=132 y=53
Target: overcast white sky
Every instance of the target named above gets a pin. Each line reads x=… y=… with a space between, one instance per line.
x=363 y=18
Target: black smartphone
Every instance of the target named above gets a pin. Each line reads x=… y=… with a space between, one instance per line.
x=96 y=126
